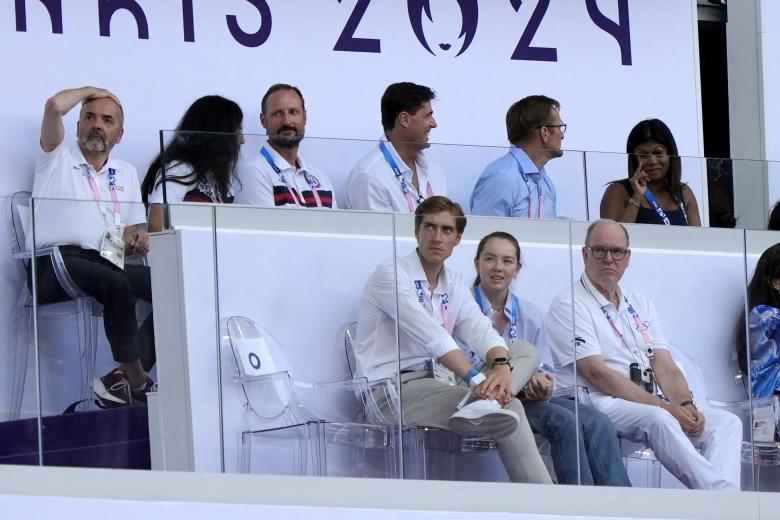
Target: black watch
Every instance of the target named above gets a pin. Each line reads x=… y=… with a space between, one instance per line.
x=501 y=361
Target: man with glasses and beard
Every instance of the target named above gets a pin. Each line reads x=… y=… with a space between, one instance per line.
x=89 y=204
x=279 y=176
x=516 y=184
x=623 y=360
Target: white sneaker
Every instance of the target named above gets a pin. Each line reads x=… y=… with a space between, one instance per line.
x=484 y=418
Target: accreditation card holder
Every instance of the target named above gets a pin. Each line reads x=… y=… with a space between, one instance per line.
x=442 y=373
x=112 y=248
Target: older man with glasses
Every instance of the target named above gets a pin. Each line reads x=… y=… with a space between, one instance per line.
x=622 y=358
x=516 y=184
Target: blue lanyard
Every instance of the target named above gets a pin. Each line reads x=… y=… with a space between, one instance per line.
x=513 y=320
x=265 y=153
x=539 y=193
x=397 y=172
x=445 y=304
x=310 y=179
x=661 y=214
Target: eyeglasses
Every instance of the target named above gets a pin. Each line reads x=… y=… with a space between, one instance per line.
x=562 y=126
x=618 y=253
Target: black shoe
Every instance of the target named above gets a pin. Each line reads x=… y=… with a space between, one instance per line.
x=139 y=394
x=112 y=390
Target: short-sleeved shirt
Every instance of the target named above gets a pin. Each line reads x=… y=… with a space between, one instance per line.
x=592 y=333
x=422 y=334
x=509 y=187
x=75 y=219
x=372 y=183
x=530 y=325
x=260 y=184
x=189 y=190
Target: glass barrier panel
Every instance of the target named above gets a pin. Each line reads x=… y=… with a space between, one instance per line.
x=756 y=359
x=298 y=394
x=659 y=321
x=95 y=338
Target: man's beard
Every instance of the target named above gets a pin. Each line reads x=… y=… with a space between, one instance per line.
x=284 y=141
x=94 y=144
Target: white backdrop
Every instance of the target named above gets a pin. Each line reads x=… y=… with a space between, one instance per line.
x=159 y=75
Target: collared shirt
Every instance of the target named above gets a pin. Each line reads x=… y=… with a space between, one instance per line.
x=422 y=335
x=260 y=185
x=372 y=184
x=74 y=218
x=502 y=189
x=203 y=191
x=530 y=326
x=595 y=335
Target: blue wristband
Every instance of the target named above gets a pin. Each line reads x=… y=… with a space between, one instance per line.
x=468 y=375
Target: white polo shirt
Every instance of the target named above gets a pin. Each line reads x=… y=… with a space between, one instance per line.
x=202 y=191
x=260 y=184
x=596 y=336
x=74 y=218
x=372 y=184
x=422 y=335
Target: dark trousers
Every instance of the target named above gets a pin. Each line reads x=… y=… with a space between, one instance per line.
x=116 y=289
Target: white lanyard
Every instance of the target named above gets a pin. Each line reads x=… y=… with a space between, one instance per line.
x=112 y=190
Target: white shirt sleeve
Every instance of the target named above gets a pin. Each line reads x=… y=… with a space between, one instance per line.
x=567 y=337
x=413 y=319
x=253 y=187
x=175 y=191
x=365 y=192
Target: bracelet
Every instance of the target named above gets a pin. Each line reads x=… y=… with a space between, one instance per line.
x=468 y=375
x=635 y=203
x=477 y=380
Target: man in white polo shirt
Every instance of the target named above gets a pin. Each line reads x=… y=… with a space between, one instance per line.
x=623 y=359
x=279 y=176
x=433 y=306
x=96 y=221
x=395 y=175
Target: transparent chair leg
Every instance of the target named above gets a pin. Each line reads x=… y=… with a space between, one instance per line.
x=21 y=356
x=245 y=453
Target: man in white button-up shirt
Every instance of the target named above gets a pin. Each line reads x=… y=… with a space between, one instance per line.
x=430 y=305
x=395 y=175
x=278 y=175
x=615 y=338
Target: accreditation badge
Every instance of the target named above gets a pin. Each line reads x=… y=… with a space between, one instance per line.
x=442 y=373
x=112 y=248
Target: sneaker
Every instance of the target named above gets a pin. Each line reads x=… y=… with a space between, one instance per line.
x=484 y=418
x=112 y=389
x=139 y=394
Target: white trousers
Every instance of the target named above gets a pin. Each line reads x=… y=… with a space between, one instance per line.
x=708 y=461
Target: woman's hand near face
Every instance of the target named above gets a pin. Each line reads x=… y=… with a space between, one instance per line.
x=639 y=179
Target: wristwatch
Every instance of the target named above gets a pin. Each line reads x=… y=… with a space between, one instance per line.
x=501 y=361
x=689 y=402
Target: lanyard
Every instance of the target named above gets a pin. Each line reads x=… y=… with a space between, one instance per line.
x=445 y=303
x=661 y=214
x=539 y=193
x=207 y=189
x=112 y=190
x=400 y=177
x=513 y=320
x=640 y=325
x=310 y=180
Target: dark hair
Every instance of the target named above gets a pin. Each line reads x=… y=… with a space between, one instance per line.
x=503 y=236
x=403 y=97
x=603 y=222
x=524 y=117
x=759 y=292
x=437 y=204
x=206 y=140
x=656 y=130
x=774 y=218
x=281 y=86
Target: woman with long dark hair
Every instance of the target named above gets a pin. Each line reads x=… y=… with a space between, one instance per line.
x=653 y=193
x=199 y=160
x=498 y=262
x=762 y=360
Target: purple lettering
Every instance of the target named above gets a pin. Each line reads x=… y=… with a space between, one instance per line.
x=188 y=20
x=621 y=31
x=255 y=39
x=347 y=40
x=107 y=8
x=524 y=51
x=54 y=7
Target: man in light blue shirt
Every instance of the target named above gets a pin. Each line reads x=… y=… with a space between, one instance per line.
x=517 y=185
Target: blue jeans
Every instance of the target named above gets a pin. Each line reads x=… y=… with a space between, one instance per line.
x=601 y=462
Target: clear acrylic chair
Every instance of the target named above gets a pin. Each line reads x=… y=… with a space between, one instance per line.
x=429 y=453
x=81 y=306
x=276 y=418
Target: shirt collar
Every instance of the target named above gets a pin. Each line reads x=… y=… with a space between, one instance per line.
x=526 y=164
x=419 y=158
x=600 y=298
x=487 y=308
x=417 y=273
x=282 y=163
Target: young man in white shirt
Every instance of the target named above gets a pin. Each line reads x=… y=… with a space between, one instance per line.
x=431 y=305
x=615 y=337
x=89 y=204
x=395 y=175
x=279 y=176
